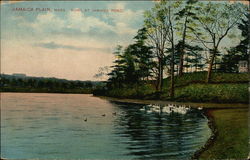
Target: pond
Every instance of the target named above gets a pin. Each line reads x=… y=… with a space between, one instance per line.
x=78 y=126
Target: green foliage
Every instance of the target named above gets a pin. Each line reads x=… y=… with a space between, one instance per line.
x=229 y=62
x=132 y=64
x=241 y=51
x=214 y=22
x=243 y=47
x=171 y=39
x=220 y=93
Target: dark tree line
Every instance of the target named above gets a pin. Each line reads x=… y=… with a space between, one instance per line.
x=10 y=83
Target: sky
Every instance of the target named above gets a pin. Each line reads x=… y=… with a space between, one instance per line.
x=64 y=39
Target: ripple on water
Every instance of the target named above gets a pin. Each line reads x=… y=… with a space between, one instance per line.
x=52 y=126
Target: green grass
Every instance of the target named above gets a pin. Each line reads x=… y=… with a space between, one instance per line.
x=191 y=87
x=230 y=77
x=216 y=93
x=232 y=135
x=200 y=77
x=219 y=93
x=187 y=78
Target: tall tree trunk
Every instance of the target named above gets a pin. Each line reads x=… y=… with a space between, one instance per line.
x=209 y=72
x=172 y=70
x=181 y=64
x=215 y=68
x=172 y=54
x=172 y=76
x=160 y=75
x=183 y=48
x=187 y=67
x=161 y=84
x=196 y=67
x=157 y=81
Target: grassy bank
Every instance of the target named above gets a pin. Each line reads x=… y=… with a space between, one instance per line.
x=231 y=140
x=191 y=87
x=200 y=77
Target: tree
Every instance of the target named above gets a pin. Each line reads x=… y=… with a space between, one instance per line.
x=102 y=72
x=241 y=51
x=144 y=55
x=214 y=22
x=229 y=61
x=155 y=22
x=244 y=26
x=116 y=75
x=124 y=69
x=130 y=75
x=171 y=39
x=184 y=24
x=160 y=22
x=194 y=58
x=170 y=10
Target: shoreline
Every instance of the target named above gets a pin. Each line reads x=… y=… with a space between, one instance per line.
x=208 y=112
x=192 y=104
x=211 y=140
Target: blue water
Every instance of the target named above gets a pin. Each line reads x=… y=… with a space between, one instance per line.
x=53 y=126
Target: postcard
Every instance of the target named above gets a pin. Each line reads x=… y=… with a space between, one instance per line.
x=103 y=80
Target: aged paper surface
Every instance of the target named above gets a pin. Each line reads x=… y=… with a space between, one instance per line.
x=124 y=79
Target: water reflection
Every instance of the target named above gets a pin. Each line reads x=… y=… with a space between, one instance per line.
x=52 y=126
x=160 y=136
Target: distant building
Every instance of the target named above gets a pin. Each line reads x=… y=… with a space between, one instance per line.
x=243 y=66
x=19 y=75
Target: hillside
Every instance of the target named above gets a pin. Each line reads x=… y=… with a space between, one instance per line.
x=224 y=87
x=191 y=87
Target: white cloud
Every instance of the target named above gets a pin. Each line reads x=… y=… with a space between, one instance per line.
x=125 y=19
x=78 y=23
x=77 y=20
x=117 y=5
x=47 y=22
x=123 y=28
x=81 y=43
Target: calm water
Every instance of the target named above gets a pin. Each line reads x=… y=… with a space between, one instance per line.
x=47 y=126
